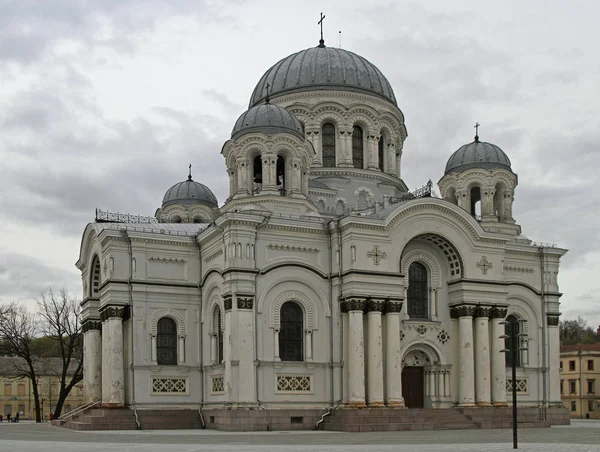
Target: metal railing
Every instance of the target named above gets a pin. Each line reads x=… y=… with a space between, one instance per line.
x=88 y=406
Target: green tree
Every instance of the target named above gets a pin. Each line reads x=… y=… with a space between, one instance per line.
x=577 y=332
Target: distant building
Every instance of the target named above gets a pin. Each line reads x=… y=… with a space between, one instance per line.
x=579 y=376
x=16 y=392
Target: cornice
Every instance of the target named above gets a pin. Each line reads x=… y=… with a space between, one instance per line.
x=364 y=173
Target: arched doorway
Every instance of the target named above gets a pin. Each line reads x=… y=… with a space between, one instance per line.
x=413 y=378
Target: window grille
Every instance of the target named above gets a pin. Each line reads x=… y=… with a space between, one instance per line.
x=166 y=342
x=418 y=297
x=291 y=332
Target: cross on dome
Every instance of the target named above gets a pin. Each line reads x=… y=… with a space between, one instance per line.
x=320 y=22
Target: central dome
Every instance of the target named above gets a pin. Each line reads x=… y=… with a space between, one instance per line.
x=319 y=68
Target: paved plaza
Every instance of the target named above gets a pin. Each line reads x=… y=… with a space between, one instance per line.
x=31 y=437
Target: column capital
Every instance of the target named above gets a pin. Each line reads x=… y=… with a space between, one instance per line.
x=553 y=318
x=483 y=311
x=498 y=312
x=113 y=312
x=462 y=310
x=227 y=301
x=375 y=305
x=88 y=325
x=245 y=301
x=393 y=307
x=353 y=304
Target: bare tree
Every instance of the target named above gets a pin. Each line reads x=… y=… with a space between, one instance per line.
x=18 y=328
x=59 y=315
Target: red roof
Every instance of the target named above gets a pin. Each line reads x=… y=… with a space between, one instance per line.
x=580 y=347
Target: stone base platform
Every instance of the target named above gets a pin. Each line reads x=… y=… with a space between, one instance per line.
x=342 y=419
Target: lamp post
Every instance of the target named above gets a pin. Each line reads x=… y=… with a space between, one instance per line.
x=513 y=349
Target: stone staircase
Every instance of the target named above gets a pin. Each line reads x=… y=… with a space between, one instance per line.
x=395 y=420
x=124 y=419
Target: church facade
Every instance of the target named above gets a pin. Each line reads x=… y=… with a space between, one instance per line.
x=322 y=281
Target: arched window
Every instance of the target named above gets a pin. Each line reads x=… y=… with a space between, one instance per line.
x=380 y=152
x=512 y=323
x=257 y=181
x=218 y=333
x=166 y=342
x=476 y=202
x=280 y=178
x=291 y=332
x=357 y=147
x=328 y=145
x=95 y=278
x=418 y=299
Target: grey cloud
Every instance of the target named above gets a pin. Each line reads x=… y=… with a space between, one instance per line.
x=24 y=278
x=28 y=28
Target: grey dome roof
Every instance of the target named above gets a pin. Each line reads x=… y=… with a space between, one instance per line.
x=477 y=154
x=189 y=192
x=323 y=68
x=268 y=119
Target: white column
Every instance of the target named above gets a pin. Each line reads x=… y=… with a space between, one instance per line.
x=554 y=357
x=345 y=372
x=181 y=349
x=390 y=165
x=276 y=345
x=308 y=346
x=432 y=378
x=482 y=356
x=498 y=372
x=153 y=348
x=372 y=152
x=245 y=350
x=393 y=357
x=92 y=369
x=113 y=387
x=446 y=378
x=375 y=353
x=228 y=349
x=356 y=353
x=466 y=371
x=433 y=301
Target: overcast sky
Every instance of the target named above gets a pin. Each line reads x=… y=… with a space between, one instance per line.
x=103 y=103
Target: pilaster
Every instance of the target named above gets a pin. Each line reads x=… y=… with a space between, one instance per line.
x=92 y=360
x=498 y=371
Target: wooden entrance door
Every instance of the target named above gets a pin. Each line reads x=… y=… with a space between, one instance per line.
x=413 y=386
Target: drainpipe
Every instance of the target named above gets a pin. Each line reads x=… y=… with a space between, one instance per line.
x=545 y=336
x=201 y=342
x=256 y=358
x=131 y=335
x=331 y=388
x=341 y=293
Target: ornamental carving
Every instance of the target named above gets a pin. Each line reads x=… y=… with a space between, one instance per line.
x=166 y=260
x=484 y=265
x=465 y=310
x=393 y=307
x=376 y=254
x=354 y=304
x=89 y=325
x=552 y=319
x=443 y=336
x=375 y=305
x=294 y=383
x=227 y=302
x=402 y=335
x=112 y=312
x=217 y=385
x=498 y=312
x=298 y=249
x=483 y=311
x=169 y=385
x=245 y=302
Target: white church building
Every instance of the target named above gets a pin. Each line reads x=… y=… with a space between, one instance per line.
x=322 y=285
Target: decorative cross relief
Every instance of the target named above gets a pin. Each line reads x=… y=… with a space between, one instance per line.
x=484 y=265
x=376 y=254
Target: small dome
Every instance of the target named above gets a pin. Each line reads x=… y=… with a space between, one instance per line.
x=189 y=192
x=319 y=68
x=268 y=119
x=477 y=154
